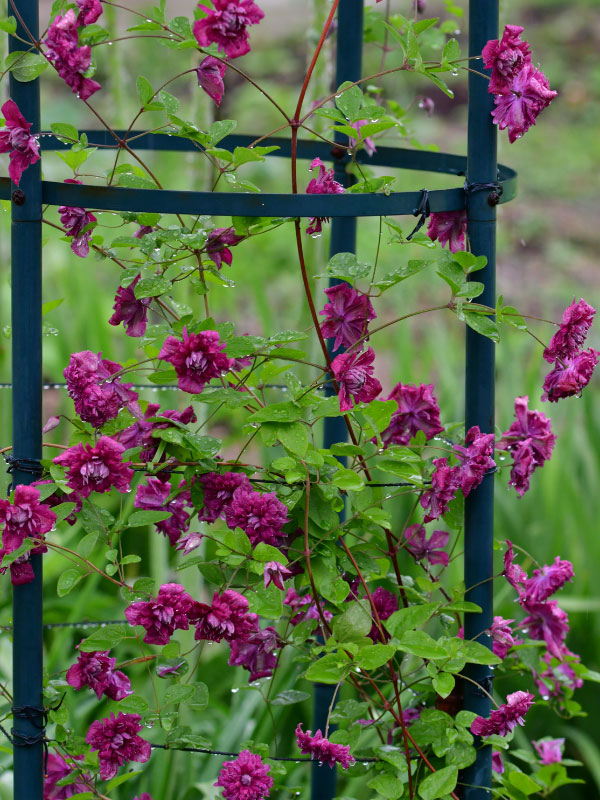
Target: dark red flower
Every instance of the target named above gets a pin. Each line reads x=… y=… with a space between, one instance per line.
x=226 y=25
x=445 y=482
x=58 y=768
x=154 y=495
x=502 y=638
x=170 y=611
x=260 y=516
x=96 y=469
x=76 y=221
x=89 y=11
x=569 y=338
x=324 y=183
x=210 y=74
x=227 y=618
x=547 y=622
x=70 y=61
x=197 y=359
x=569 y=378
x=140 y=433
x=97 y=671
x=506 y=58
x=116 y=740
x=130 y=310
x=218 y=493
x=354 y=374
x=530 y=441
x=527 y=95
x=98 y=397
x=245 y=778
x=504 y=719
x=417 y=411
x=256 y=653
x=448 y=227
x=547 y=580
x=322 y=750
x=218 y=243
x=385 y=604
x=424 y=549
x=348 y=314
x=475 y=458
x=16 y=139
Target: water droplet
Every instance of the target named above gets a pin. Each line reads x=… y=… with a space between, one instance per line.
x=110 y=44
x=234 y=691
x=454 y=72
x=315 y=235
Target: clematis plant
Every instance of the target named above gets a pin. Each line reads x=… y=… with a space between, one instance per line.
x=285 y=585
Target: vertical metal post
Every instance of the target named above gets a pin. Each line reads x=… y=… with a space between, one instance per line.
x=480 y=355
x=343 y=240
x=26 y=271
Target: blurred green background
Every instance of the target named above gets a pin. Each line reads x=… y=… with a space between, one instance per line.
x=548 y=241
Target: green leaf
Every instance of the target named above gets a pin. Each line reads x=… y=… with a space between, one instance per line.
x=140 y=518
x=277 y=412
x=152 y=287
x=105 y=638
x=476 y=653
x=420 y=644
x=24 y=66
x=439 y=783
x=290 y=696
x=482 y=324
x=328 y=669
x=387 y=786
x=132 y=181
x=349 y=100
x=122 y=779
x=144 y=90
x=179 y=693
x=523 y=783
x=374 y=656
x=87 y=544
x=347 y=266
x=294 y=437
x=354 y=623
x=8 y=24
x=443 y=683
x=220 y=129
x=407 y=619
x=463 y=605
x=451 y=52
x=348 y=480
x=267 y=602
x=266 y=552
x=62 y=129
x=63 y=510
x=134 y=704
x=68 y=580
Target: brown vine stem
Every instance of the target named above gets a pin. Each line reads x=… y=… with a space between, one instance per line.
x=306 y=554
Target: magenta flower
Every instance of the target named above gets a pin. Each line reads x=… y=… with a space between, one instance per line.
x=368 y=142
x=445 y=482
x=504 y=719
x=140 y=433
x=171 y=611
x=385 y=604
x=475 y=458
x=189 y=542
x=24 y=518
x=448 y=227
x=96 y=469
x=569 y=378
x=142 y=231
x=558 y=677
x=245 y=778
x=143 y=796
x=549 y=623
x=210 y=74
x=57 y=769
x=130 y=310
x=70 y=61
x=89 y=11
x=322 y=750
x=304 y=607
x=218 y=493
x=97 y=670
x=522 y=101
x=502 y=638
x=530 y=441
x=197 y=359
x=256 y=653
x=276 y=573
x=324 y=183
x=218 y=243
x=514 y=574
x=116 y=740
x=227 y=618
x=354 y=374
x=506 y=58
x=347 y=313
x=569 y=338
x=550 y=750
x=417 y=411
x=154 y=495
x=547 y=580
x=21 y=571
x=497 y=763
x=260 y=516
x=424 y=549
x=226 y=25
x=16 y=139
x=76 y=221
x=97 y=396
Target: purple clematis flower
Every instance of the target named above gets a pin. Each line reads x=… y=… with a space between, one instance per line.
x=354 y=374
x=504 y=719
x=323 y=183
x=16 y=139
x=322 y=750
x=448 y=227
x=226 y=25
x=424 y=549
x=347 y=313
x=197 y=359
x=210 y=74
x=418 y=410
x=245 y=778
x=218 y=243
x=116 y=740
x=130 y=310
x=70 y=61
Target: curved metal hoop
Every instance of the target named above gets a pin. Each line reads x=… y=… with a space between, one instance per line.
x=112 y=198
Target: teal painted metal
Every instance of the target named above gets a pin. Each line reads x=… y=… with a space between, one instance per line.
x=479 y=377
x=480 y=168
x=343 y=240
x=26 y=258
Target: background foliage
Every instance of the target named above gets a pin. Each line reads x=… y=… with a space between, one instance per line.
x=548 y=245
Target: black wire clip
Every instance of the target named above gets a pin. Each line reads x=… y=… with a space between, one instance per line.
x=423 y=211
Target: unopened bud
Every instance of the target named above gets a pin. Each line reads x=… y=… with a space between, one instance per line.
x=427 y=104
